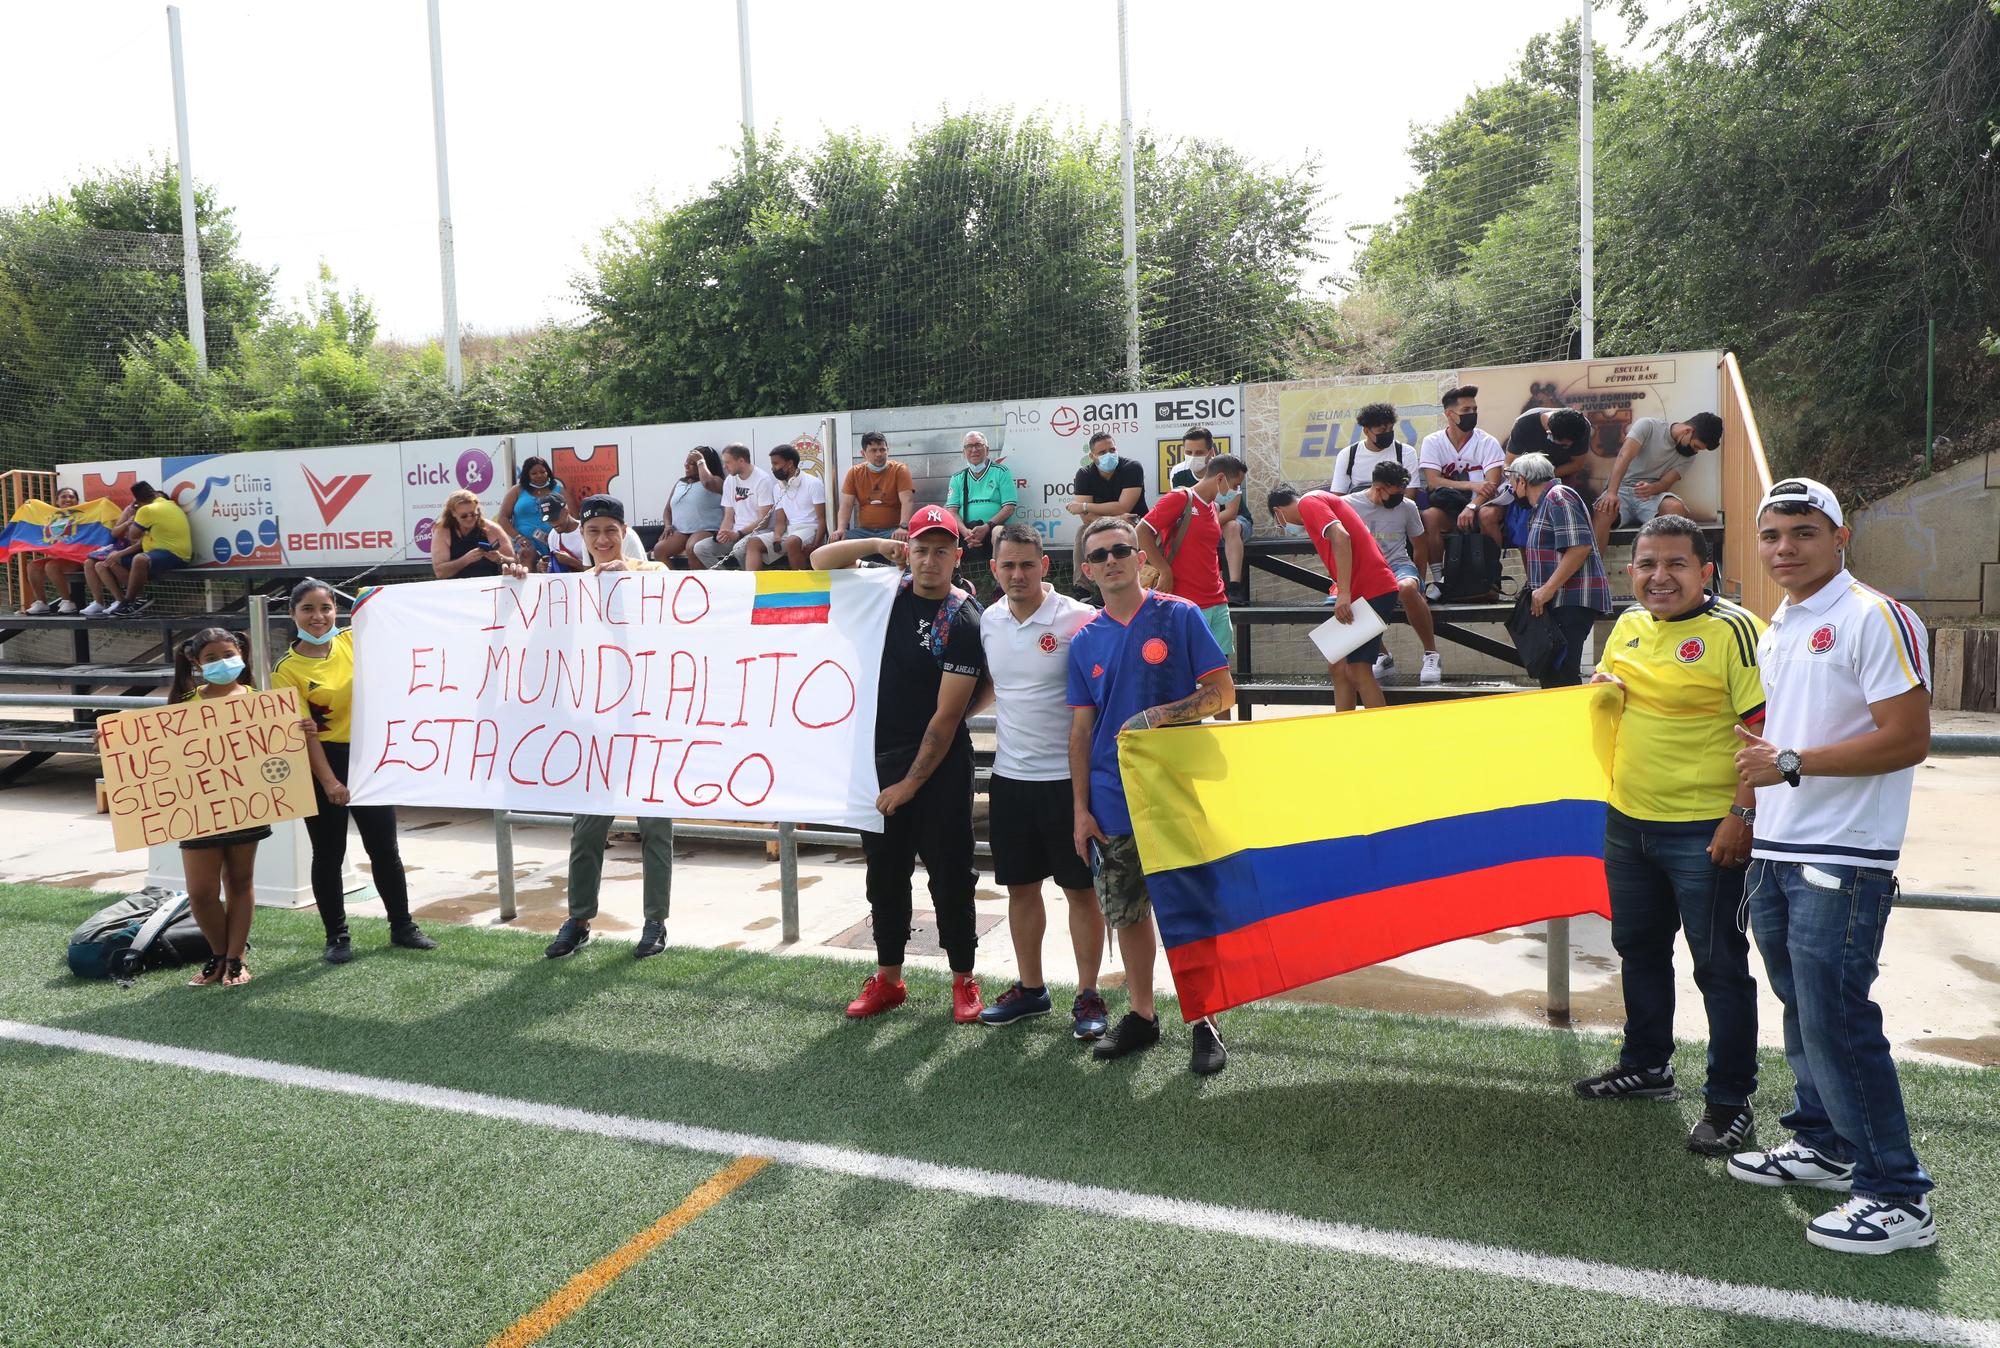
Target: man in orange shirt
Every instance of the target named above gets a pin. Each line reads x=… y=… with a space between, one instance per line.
x=877 y=495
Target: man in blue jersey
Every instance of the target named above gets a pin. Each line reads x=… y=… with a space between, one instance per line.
x=1147 y=660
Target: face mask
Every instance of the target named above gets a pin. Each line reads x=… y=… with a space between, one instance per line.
x=1686 y=451
x=1395 y=498
x=1228 y=496
x=1295 y=530
x=1468 y=421
x=320 y=640
x=1382 y=439
x=222 y=671
x=1197 y=463
x=1106 y=462
x=979 y=469
x=874 y=467
x=782 y=474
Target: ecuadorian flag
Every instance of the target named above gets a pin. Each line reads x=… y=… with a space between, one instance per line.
x=40 y=527
x=1282 y=852
x=791 y=597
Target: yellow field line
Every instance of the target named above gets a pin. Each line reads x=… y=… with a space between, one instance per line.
x=579 y=1290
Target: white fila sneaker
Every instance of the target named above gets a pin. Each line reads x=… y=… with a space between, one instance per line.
x=1865 y=1225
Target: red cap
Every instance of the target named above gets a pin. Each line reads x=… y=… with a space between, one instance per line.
x=935 y=517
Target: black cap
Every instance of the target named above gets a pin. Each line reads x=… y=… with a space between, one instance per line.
x=601 y=507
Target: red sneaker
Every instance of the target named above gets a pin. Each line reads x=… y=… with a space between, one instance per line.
x=877 y=996
x=965 y=1003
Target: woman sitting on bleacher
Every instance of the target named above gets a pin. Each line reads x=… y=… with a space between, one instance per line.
x=320 y=667
x=522 y=508
x=465 y=543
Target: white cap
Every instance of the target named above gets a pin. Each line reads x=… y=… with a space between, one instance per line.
x=1807 y=492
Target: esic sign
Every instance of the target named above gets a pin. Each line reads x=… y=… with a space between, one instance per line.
x=1195 y=409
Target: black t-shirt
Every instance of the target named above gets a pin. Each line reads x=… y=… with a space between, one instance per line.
x=1530 y=436
x=1093 y=486
x=907 y=693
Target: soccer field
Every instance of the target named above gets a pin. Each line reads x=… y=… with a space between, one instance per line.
x=478 y=1143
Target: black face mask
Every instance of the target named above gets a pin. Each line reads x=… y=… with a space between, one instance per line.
x=1395 y=499
x=1382 y=439
x=1686 y=451
x=1468 y=421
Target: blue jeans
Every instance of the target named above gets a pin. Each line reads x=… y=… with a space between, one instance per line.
x=1661 y=884
x=1820 y=930
x=856 y=531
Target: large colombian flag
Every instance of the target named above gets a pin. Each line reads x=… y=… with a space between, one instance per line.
x=1282 y=852
x=71 y=534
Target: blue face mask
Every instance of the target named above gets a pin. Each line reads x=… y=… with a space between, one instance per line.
x=222 y=671
x=1228 y=496
x=1106 y=462
x=319 y=640
x=1295 y=530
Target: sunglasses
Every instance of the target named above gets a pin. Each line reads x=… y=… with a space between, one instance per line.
x=1120 y=551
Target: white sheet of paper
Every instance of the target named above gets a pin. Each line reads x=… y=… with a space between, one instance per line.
x=1336 y=638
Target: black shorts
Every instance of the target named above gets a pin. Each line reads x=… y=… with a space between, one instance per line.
x=1369 y=651
x=1451 y=501
x=1032 y=826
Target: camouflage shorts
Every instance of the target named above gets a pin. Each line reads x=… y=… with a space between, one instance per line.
x=1121 y=882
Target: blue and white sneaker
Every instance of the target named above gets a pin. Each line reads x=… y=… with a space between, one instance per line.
x=1017 y=1003
x=1088 y=1015
x=1864 y=1225
x=1793 y=1163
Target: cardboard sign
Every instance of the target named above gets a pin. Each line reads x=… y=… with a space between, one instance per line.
x=196 y=769
x=682 y=694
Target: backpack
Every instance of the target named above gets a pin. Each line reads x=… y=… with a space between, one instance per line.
x=1354 y=452
x=1471 y=568
x=153 y=929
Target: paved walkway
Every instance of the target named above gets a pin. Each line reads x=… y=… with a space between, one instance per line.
x=1940 y=985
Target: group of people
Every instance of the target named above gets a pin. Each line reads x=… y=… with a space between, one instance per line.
x=151 y=538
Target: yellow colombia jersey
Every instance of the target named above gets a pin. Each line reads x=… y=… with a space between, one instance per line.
x=166 y=526
x=1688 y=681
x=325 y=685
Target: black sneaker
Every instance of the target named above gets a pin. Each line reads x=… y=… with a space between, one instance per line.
x=1209 y=1055
x=132 y=608
x=652 y=940
x=339 y=949
x=1132 y=1033
x=1643 y=1083
x=1723 y=1129
x=411 y=937
x=571 y=934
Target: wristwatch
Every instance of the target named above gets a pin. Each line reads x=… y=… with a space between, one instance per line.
x=1747 y=813
x=1789 y=763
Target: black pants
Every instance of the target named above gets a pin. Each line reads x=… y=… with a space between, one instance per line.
x=935 y=826
x=1574 y=622
x=328 y=831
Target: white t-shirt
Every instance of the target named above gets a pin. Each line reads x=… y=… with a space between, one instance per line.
x=1823 y=662
x=795 y=498
x=1029 y=665
x=1468 y=462
x=1346 y=480
x=746 y=499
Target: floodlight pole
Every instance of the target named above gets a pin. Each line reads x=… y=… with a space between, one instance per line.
x=1130 y=207
x=743 y=63
x=190 y=237
x=1586 y=152
x=454 y=368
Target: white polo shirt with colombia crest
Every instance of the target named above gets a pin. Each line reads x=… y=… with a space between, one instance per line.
x=1824 y=660
x=1029 y=664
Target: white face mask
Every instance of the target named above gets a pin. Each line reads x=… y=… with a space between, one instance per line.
x=875 y=467
x=979 y=469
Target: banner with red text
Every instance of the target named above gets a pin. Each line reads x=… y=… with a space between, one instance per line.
x=687 y=695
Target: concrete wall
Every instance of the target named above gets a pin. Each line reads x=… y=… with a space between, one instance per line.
x=1936 y=543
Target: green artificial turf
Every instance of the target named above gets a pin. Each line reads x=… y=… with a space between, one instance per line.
x=418 y=1227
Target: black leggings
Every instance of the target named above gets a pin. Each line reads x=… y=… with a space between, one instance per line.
x=328 y=831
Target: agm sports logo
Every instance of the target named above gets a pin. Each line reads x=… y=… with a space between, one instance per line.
x=332 y=495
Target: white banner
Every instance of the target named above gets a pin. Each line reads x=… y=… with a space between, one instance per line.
x=689 y=695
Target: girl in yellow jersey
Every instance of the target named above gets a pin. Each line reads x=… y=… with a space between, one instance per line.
x=213 y=663
x=320 y=665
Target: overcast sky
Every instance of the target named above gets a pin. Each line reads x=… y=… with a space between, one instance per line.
x=313 y=120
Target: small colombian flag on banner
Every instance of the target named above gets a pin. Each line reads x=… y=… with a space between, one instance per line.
x=791 y=597
x=71 y=534
x=1282 y=852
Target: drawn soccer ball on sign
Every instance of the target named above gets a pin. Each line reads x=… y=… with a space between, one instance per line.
x=275 y=770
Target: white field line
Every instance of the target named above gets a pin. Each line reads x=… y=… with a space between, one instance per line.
x=1583 y=1275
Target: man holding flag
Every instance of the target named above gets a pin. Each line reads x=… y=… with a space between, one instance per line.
x=1147 y=660
x=1677 y=832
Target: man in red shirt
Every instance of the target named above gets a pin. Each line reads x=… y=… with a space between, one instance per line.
x=1346 y=548
x=1182 y=538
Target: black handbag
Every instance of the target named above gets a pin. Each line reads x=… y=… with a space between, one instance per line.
x=1537 y=640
